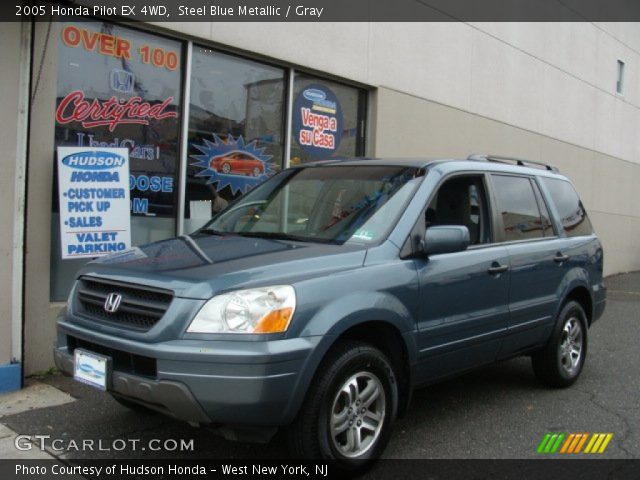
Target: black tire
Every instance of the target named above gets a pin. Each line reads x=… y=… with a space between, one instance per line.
x=552 y=364
x=310 y=435
x=136 y=407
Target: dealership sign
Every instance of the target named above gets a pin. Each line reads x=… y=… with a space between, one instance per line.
x=111 y=113
x=93 y=191
x=317 y=121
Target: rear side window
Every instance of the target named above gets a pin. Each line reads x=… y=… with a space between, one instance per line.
x=573 y=216
x=517 y=205
x=544 y=213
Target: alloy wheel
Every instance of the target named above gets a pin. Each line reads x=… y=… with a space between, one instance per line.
x=357 y=414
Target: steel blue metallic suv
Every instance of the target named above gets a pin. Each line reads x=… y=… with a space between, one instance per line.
x=319 y=300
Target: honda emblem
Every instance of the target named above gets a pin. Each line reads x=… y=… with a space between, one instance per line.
x=112 y=302
x=122 y=81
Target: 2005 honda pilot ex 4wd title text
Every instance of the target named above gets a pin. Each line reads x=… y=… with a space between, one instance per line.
x=317 y=301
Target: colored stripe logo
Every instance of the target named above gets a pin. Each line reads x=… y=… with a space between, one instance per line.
x=572 y=443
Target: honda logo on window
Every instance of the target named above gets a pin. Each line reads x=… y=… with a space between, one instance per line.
x=112 y=303
x=121 y=80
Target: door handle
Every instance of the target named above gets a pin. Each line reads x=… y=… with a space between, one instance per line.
x=496 y=268
x=560 y=258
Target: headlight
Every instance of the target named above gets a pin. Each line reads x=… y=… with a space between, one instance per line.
x=257 y=310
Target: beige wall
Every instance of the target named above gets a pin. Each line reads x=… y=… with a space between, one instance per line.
x=409 y=126
x=39 y=328
x=9 y=82
x=14 y=41
x=557 y=79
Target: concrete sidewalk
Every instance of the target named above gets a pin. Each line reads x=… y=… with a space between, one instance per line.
x=35 y=395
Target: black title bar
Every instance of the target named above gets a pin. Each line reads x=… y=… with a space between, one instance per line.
x=327 y=10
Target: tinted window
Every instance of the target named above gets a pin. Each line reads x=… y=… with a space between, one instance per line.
x=518 y=208
x=544 y=212
x=461 y=201
x=573 y=216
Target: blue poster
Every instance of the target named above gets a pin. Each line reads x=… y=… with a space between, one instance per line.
x=317 y=121
x=233 y=163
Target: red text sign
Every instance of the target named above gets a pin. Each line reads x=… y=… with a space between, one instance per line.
x=112 y=112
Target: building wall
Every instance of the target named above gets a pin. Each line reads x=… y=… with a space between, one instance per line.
x=40 y=314
x=13 y=38
x=9 y=79
x=557 y=79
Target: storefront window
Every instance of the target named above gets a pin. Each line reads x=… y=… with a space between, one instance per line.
x=328 y=120
x=101 y=67
x=236 y=124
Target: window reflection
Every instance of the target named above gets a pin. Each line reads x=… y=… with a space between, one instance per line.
x=131 y=68
x=236 y=121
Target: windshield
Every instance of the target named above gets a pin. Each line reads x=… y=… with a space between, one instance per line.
x=329 y=204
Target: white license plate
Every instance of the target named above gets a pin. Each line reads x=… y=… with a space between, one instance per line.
x=91 y=368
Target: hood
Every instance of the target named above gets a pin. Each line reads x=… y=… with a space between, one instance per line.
x=200 y=266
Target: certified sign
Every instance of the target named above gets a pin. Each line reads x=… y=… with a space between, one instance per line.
x=93 y=189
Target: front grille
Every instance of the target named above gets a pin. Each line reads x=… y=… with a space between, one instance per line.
x=122 y=361
x=140 y=309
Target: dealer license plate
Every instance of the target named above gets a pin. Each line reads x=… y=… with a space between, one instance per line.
x=91 y=368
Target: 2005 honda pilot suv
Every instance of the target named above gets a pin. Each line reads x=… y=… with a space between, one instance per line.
x=317 y=301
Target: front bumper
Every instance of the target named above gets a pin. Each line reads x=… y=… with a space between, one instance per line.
x=223 y=382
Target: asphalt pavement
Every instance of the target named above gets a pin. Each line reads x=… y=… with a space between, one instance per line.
x=495 y=412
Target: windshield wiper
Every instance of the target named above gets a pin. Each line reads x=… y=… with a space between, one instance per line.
x=283 y=236
x=211 y=231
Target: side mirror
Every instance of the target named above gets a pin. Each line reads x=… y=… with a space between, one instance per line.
x=445 y=239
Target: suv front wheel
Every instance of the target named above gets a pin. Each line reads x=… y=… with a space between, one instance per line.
x=350 y=408
x=560 y=363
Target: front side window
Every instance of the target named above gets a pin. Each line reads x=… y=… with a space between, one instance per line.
x=573 y=215
x=517 y=206
x=325 y=204
x=462 y=201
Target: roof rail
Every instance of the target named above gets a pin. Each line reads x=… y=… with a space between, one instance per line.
x=518 y=161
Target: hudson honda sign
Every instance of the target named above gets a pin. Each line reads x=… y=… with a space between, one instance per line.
x=93 y=190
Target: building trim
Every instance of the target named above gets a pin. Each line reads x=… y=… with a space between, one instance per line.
x=19 y=205
x=184 y=138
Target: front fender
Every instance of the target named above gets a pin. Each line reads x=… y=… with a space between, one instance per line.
x=357 y=307
x=338 y=316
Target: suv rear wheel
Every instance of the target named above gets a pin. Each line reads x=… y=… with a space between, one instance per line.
x=350 y=408
x=560 y=363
